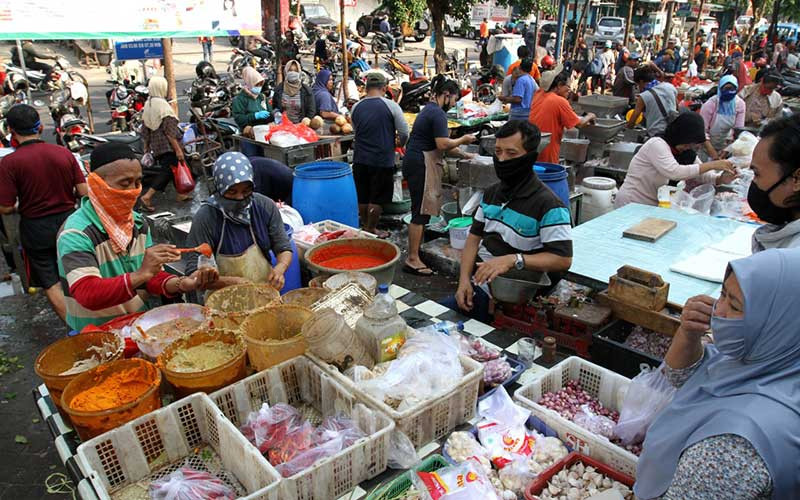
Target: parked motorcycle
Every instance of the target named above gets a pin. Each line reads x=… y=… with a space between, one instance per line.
x=65 y=111
x=381 y=42
x=242 y=58
x=414 y=93
x=489 y=84
x=87 y=142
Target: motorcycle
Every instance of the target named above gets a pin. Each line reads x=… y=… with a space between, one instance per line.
x=242 y=58
x=87 y=142
x=6 y=102
x=212 y=97
x=66 y=115
x=489 y=84
x=414 y=93
x=381 y=42
x=121 y=104
x=60 y=76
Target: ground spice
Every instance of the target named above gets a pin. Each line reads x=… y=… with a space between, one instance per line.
x=202 y=357
x=118 y=389
x=353 y=262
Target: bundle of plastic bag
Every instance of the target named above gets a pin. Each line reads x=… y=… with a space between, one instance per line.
x=464 y=481
x=189 y=484
x=648 y=394
x=502 y=431
x=332 y=436
x=598 y=424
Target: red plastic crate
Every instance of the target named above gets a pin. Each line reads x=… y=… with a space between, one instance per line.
x=577 y=343
x=536 y=487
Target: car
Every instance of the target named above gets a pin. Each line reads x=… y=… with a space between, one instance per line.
x=609 y=29
x=316 y=17
x=789 y=31
x=545 y=30
x=369 y=23
x=743 y=23
x=707 y=23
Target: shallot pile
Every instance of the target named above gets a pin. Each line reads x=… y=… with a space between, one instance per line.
x=653 y=343
x=496 y=371
x=579 y=482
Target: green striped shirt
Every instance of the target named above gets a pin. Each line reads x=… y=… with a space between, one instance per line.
x=84 y=249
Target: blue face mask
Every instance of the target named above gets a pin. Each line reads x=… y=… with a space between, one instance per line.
x=728 y=335
x=727 y=95
x=256 y=90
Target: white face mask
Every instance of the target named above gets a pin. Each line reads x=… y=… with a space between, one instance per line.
x=292 y=76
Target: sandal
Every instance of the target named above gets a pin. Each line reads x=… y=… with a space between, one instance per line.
x=418 y=271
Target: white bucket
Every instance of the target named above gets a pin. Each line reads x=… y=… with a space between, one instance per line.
x=458 y=237
x=598 y=197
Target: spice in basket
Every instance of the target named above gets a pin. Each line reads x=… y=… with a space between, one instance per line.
x=118 y=389
x=202 y=357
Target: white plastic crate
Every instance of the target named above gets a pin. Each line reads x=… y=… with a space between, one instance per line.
x=122 y=463
x=300 y=382
x=608 y=387
x=432 y=419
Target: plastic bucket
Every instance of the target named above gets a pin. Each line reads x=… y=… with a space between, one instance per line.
x=325 y=190
x=598 y=198
x=450 y=210
x=305 y=297
x=555 y=177
x=459 y=230
x=231 y=305
x=273 y=335
x=292 y=280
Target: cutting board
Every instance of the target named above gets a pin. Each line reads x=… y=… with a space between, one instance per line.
x=650 y=229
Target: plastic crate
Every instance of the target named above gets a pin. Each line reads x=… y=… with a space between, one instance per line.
x=300 y=382
x=576 y=343
x=608 y=387
x=609 y=350
x=122 y=463
x=516 y=372
x=540 y=483
x=402 y=483
x=431 y=419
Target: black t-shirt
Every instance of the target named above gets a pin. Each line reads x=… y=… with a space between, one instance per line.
x=431 y=123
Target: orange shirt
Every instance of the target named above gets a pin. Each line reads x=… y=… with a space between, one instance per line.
x=552 y=113
x=535 y=74
x=484 y=30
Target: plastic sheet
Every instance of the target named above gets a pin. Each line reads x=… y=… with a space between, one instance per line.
x=648 y=393
x=598 y=424
x=190 y=484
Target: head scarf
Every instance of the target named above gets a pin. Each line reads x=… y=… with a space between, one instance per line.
x=323 y=96
x=291 y=86
x=727 y=106
x=231 y=169
x=157 y=108
x=251 y=78
x=687 y=128
x=749 y=390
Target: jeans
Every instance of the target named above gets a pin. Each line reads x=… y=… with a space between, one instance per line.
x=480 y=306
x=391 y=41
x=208 y=48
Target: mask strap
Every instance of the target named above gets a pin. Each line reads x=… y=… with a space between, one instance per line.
x=783 y=179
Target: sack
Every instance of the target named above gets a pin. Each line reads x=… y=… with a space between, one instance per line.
x=184 y=182
x=648 y=393
x=595 y=67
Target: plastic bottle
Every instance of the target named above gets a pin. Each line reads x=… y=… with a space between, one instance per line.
x=278 y=117
x=448 y=327
x=664 y=200
x=381 y=329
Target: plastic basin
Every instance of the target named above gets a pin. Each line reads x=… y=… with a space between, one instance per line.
x=152 y=340
x=62 y=354
x=231 y=305
x=89 y=424
x=379 y=258
x=210 y=380
x=305 y=297
x=273 y=334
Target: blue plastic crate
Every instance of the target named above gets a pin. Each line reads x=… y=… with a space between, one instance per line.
x=516 y=372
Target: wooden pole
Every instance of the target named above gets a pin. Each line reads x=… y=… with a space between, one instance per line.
x=425 y=63
x=580 y=28
x=344 y=51
x=278 y=41
x=169 y=73
x=466 y=60
x=24 y=71
x=668 y=28
x=696 y=29
x=629 y=21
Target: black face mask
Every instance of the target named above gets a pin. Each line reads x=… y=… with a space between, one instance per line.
x=687 y=157
x=512 y=173
x=763 y=207
x=446 y=106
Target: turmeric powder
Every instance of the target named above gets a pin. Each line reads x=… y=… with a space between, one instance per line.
x=118 y=389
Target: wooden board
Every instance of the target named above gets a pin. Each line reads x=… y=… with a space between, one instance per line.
x=665 y=321
x=650 y=229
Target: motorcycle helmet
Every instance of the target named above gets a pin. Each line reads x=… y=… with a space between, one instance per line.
x=333 y=36
x=204 y=69
x=548 y=62
x=121 y=93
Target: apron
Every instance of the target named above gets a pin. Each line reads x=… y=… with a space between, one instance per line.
x=250 y=264
x=432 y=193
x=720 y=130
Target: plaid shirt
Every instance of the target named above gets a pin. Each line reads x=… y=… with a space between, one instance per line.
x=158 y=139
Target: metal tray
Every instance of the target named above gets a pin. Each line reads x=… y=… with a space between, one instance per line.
x=603 y=130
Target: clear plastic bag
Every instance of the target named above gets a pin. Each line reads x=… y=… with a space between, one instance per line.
x=517 y=475
x=598 y=424
x=401 y=451
x=462 y=446
x=698 y=200
x=502 y=431
x=190 y=484
x=743 y=145
x=279 y=432
x=464 y=481
x=333 y=435
x=648 y=393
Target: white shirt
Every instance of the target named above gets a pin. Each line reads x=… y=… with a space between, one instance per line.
x=792 y=60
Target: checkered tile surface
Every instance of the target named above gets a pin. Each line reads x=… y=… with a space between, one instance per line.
x=416 y=310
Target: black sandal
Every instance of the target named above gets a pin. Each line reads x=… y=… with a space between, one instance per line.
x=418 y=271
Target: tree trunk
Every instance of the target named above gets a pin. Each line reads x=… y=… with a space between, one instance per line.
x=776 y=8
x=437 y=17
x=629 y=21
x=169 y=73
x=580 y=28
x=668 y=28
x=696 y=29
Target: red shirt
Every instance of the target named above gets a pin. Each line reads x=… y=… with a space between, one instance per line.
x=42 y=177
x=552 y=113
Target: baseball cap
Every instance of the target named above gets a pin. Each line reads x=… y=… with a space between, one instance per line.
x=375 y=79
x=23 y=119
x=548 y=77
x=634 y=56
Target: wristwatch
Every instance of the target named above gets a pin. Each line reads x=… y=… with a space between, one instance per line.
x=519 y=263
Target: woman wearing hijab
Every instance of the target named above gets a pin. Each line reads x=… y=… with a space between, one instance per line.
x=293 y=98
x=162 y=137
x=723 y=112
x=250 y=107
x=241 y=227
x=733 y=427
x=323 y=98
x=671 y=157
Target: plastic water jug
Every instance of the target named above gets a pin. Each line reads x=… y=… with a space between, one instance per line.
x=381 y=329
x=598 y=197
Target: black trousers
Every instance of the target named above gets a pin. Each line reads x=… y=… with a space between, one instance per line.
x=159 y=176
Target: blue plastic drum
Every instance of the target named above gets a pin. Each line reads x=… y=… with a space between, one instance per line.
x=325 y=190
x=555 y=177
x=291 y=277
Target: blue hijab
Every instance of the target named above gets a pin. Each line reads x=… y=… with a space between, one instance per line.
x=748 y=383
x=727 y=98
x=230 y=169
x=323 y=96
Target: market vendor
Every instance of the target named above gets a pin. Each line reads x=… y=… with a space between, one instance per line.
x=293 y=97
x=732 y=428
x=250 y=107
x=107 y=261
x=551 y=112
x=723 y=112
x=241 y=227
x=323 y=95
x=762 y=99
x=774 y=194
x=656 y=101
x=671 y=157
x=422 y=165
x=521 y=225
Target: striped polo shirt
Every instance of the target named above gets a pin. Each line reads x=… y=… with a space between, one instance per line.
x=530 y=220
x=84 y=249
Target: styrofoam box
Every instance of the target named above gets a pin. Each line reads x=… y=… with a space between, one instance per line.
x=191 y=432
x=300 y=382
x=608 y=387
x=431 y=419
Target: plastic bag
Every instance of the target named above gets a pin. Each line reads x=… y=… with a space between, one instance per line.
x=184 y=182
x=502 y=431
x=698 y=200
x=495 y=108
x=464 y=481
x=648 y=393
x=279 y=432
x=598 y=424
x=462 y=446
x=546 y=452
x=517 y=475
x=288 y=132
x=743 y=145
x=332 y=436
x=190 y=484
x=401 y=451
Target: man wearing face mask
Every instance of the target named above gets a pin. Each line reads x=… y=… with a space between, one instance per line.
x=774 y=194
x=241 y=227
x=520 y=226
x=762 y=100
x=107 y=261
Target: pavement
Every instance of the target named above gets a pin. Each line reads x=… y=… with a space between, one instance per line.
x=27 y=324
